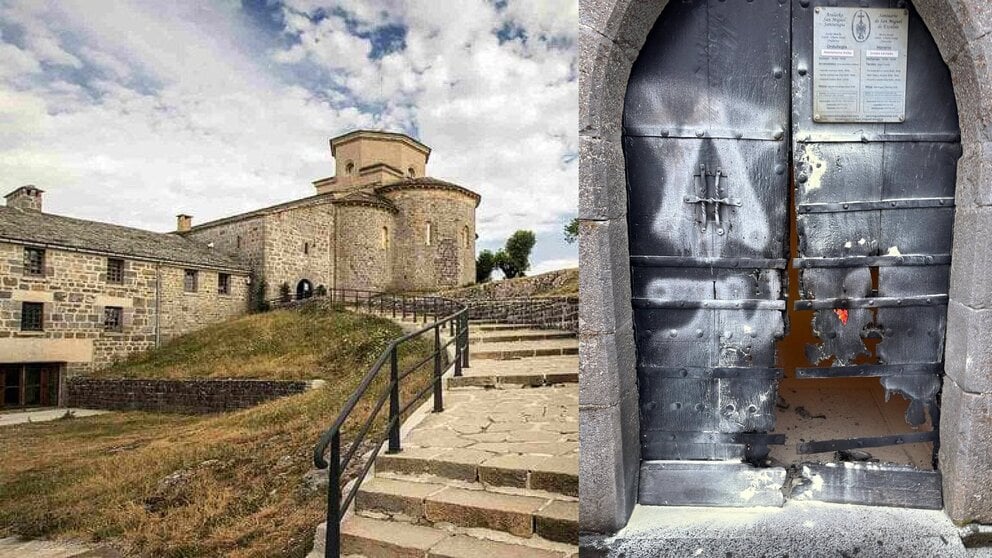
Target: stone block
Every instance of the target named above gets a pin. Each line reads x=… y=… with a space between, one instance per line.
x=559 y=521
x=508 y=470
x=608 y=465
x=489 y=510
x=965 y=459
x=395 y=496
x=607 y=363
x=973 y=90
x=971 y=264
x=559 y=474
x=373 y=538
x=626 y=22
x=603 y=71
x=604 y=276
x=968 y=355
x=975 y=175
x=463 y=546
x=602 y=178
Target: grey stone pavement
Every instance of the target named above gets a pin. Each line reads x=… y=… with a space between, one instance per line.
x=13 y=547
x=483 y=424
x=43 y=415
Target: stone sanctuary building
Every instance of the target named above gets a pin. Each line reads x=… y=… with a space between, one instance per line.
x=784 y=284
x=76 y=295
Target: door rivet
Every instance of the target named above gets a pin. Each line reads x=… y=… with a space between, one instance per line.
x=777 y=72
x=673 y=333
x=699 y=333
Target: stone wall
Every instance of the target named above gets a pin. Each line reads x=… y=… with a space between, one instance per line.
x=521 y=287
x=176 y=396
x=74 y=291
x=243 y=237
x=449 y=259
x=299 y=245
x=183 y=312
x=365 y=258
x=541 y=312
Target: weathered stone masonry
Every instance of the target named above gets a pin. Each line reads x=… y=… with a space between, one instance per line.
x=377 y=224
x=74 y=289
x=612 y=33
x=176 y=396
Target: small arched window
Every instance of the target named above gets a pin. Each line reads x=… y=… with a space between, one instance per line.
x=306 y=248
x=429 y=234
x=466 y=238
x=349 y=168
x=385 y=238
x=411 y=172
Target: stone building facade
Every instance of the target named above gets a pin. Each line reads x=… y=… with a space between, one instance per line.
x=612 y=34
x=77 y=295
x=379 y=224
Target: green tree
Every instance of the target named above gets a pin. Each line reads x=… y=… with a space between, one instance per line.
x=484 y=266
x=572 y=231
x=514 y=259
x=256 y=294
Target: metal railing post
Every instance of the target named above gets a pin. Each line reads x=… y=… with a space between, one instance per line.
x=457 y=334
x=332 y=538
x=438 y=403
x=465 y=349
x=394 y=401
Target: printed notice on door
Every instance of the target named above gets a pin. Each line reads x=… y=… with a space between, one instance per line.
x=859 y=64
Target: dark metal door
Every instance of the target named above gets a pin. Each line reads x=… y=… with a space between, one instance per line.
x=705 y=125
x=875 y=205
x=707 y=140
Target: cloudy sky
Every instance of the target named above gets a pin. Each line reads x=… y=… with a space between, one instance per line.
x=131 y=112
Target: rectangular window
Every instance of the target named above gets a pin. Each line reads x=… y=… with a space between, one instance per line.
x=223 y=284
x=115 y=271
x=34 y=261
x=189 y=281
x=113 y=318
x=32 y=316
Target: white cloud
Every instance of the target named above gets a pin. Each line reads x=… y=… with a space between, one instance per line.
x=139 y=110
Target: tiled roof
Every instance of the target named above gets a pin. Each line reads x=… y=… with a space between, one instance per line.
x=91 y=236
x=427 y=182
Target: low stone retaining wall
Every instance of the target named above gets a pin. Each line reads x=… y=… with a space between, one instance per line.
x=176 y=396
x=540 y=312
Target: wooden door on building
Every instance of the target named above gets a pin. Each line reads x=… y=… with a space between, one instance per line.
x=723 y=152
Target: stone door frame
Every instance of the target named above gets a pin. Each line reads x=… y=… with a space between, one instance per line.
x=611 y=34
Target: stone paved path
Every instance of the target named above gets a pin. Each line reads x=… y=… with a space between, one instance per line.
x=43 y=415
x=495 y=475
x=13 y=547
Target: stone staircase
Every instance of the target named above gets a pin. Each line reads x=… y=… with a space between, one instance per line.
x=496 y=474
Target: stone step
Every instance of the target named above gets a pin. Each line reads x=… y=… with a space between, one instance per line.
x=524 y=349
x=517 y=514
x=381 y=538
x=491 y=326
x=514 y=380
x=557 y=475
x=519 y=335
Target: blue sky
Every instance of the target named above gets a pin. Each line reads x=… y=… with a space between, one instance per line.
x=131 y=112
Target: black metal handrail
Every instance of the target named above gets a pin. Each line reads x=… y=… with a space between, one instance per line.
x=437 y=314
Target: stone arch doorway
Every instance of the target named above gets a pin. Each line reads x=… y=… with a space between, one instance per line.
x=613 y=33
x=304 y=289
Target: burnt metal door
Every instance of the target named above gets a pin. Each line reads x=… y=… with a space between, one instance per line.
x=718 y=118
x=875 y=212
x=705 y=140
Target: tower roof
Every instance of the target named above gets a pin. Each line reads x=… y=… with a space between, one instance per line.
x=379 y=135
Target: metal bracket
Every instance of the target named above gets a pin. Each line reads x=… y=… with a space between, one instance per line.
x=706 y=200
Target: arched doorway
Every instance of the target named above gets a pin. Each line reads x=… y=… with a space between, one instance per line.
x=750 y=211
x=304 y=289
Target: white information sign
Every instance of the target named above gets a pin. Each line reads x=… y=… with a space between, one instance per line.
x=859 y=64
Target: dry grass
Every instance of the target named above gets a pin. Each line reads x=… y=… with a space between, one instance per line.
x=239 y=487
